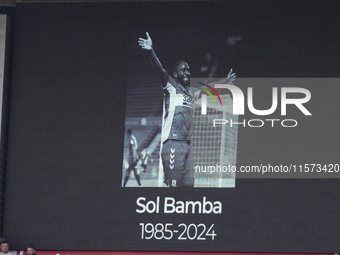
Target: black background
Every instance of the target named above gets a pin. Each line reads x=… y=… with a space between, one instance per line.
x=70 y=72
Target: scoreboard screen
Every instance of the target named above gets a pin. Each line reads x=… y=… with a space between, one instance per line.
x=175 y=126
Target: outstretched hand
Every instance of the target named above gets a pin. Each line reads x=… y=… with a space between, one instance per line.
x=231 y=77
x=145 y=43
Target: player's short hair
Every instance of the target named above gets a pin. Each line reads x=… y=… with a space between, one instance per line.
x=174 y=69
x=31 y=246
x=129 y=131
x=4 y=242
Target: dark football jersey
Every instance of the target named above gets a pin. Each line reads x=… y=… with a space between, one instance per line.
x=177 y=111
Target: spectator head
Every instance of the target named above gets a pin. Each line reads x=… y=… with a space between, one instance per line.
x=30 y=249
x=4 y=247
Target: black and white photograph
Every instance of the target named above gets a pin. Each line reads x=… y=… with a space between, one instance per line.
x=169 y=143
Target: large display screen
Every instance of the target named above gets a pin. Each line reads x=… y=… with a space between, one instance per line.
x=175 y=126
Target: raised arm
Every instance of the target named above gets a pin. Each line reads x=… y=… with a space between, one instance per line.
x=147 y=45
x=227 y=80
